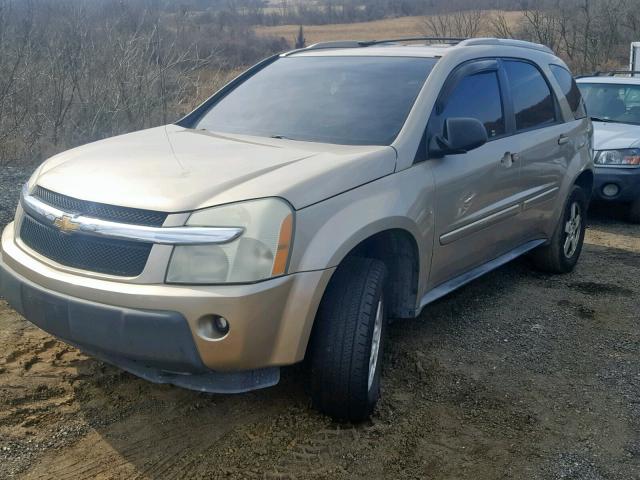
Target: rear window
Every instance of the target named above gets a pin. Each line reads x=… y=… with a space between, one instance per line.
x=569 y=90
x=532 y=99
x=343 y=100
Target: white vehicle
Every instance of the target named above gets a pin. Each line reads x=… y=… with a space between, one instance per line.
x=613 y=102
x=634 y=58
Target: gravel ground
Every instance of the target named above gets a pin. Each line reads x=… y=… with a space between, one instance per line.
x=518 y=375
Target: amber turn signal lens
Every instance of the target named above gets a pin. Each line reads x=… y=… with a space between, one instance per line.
x=284 y=244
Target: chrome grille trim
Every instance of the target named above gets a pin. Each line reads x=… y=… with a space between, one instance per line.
x=123 y=231
x=111 y=213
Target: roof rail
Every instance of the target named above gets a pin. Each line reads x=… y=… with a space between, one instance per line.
x=506 y=42
x=432 y=40
x=613 y=73
x=369 y=43
x=463 y=42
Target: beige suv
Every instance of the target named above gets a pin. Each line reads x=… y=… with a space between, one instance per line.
x=318 y=194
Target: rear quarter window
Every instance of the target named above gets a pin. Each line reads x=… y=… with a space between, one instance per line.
x=569 y=90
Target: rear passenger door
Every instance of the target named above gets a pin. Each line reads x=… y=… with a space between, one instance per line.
x=543 y=142
x=478 y=192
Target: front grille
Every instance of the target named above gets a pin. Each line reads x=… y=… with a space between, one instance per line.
x=134 y=216
x=112 y=257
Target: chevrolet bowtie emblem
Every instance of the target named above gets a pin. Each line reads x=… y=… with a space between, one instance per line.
x=66 y=224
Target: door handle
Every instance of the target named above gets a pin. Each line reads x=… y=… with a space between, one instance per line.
x=509 y=159
x=562 y=139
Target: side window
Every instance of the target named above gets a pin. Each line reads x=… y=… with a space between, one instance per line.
x=570 y=90
x=478 y=96
x=532 y=99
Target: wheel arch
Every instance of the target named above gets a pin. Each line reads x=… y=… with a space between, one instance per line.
x=585 y=180
x=398 y=249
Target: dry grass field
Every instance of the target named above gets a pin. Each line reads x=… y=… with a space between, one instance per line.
x=387 y=28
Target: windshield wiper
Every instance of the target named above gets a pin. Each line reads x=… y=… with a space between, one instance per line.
x=609 y=120
x=281 y=137
x=604 y=120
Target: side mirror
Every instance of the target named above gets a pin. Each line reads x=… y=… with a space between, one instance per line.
x=460 y=136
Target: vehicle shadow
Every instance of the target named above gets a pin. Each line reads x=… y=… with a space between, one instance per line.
x=137 y=429
x=609 y=214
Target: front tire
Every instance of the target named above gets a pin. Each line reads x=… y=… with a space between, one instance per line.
x=564 y=248
x=348 y=341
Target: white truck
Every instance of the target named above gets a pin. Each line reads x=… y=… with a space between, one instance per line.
x=634 y=58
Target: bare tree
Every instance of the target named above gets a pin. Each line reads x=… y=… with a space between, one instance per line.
x=72 y=72
x=463 y=23
x=300 y=41
x=500 y=26
x=542 y=26
x=588 y=34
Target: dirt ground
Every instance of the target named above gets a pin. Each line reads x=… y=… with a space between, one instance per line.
x=519 y=375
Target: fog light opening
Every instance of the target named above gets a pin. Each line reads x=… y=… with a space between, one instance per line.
x=610 y=190
x=213 y=327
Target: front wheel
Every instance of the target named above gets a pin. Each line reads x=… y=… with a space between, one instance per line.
x=348 y=340
x=564 y=248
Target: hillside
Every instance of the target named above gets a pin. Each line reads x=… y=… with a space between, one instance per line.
x=387 y=28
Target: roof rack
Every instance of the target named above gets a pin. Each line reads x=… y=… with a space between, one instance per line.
x=507 y=42
x=369 y=43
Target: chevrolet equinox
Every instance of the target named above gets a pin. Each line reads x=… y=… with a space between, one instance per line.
x=321 y=192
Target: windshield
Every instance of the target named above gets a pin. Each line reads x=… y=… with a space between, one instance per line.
x=342 y=100
x=612 y=102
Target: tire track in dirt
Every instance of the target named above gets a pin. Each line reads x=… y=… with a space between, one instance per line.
x=144 y=447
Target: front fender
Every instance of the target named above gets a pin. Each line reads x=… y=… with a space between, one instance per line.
x=327 y=231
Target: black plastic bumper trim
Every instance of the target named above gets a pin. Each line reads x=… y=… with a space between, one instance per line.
x=627 y=180
x=155 y=345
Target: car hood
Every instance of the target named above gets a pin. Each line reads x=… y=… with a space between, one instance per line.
x=174 y=169
x=611 y=136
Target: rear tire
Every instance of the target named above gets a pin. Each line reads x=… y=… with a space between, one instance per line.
x=564 y=248
x=634 y=211
x=348 y=339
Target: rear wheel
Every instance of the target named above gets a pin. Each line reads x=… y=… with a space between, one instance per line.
x=348 y=341
x=634 y=211
x=564 y=248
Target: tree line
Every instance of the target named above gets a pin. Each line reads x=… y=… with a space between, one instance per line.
x=590 y=35
x=73 y=71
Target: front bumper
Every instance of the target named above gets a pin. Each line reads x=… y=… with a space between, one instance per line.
x=626 y=179
x=153 y=330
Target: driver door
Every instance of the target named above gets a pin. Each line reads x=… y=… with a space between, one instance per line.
x=478 y=193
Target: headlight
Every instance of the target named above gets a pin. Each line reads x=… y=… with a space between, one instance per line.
x=629 y=157
x=29 y=185
x=262 y=251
